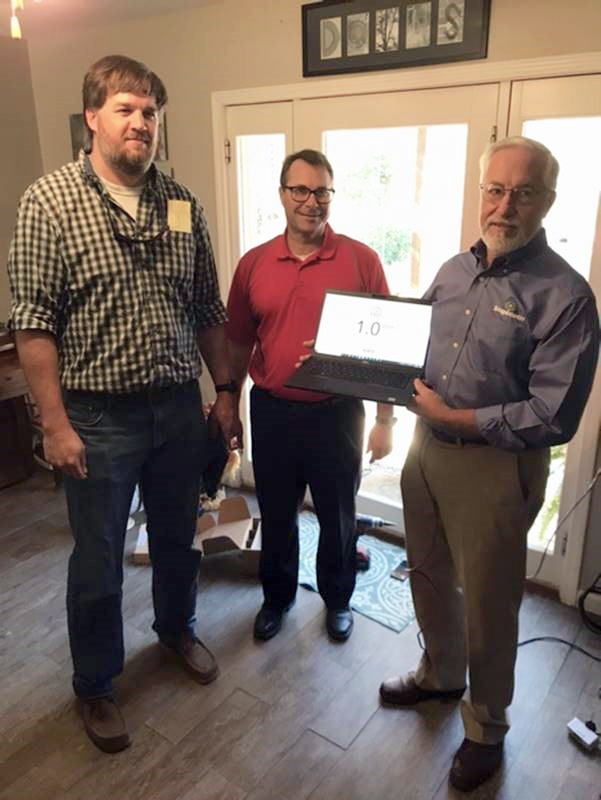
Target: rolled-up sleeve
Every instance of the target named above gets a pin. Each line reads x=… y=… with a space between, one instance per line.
x=208 y=306
x=35 y=270
x=562 y=369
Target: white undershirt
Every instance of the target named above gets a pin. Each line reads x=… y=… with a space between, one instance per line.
x=128 y=197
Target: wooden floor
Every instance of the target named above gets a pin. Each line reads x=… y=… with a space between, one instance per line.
x=297 y=717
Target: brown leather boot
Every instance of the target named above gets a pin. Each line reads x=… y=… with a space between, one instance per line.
x=195 y=657
x=104 y=723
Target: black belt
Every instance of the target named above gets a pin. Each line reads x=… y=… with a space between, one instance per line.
x=140 y=394
x=448 y=438
x=334 y=400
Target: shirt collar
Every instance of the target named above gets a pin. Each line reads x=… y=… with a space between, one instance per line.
x=327 y=249
x=514 y=259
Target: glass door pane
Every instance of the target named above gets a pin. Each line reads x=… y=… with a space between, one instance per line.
x=406 y=173
x=565 y=115
x=259 y=159
x=259 y=136
x=570 y=232
x=388 y=195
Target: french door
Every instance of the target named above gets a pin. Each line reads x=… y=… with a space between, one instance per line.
x=406 y=178
x=405 y=173
x=565 y=115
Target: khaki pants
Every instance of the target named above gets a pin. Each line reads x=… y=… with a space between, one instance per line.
x=468 y=509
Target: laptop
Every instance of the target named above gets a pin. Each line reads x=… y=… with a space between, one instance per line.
x=367 y=346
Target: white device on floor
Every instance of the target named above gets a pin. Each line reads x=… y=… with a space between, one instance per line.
x=583 y=735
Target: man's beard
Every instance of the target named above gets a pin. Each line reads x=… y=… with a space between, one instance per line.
x=135 y=164
x=499 y=243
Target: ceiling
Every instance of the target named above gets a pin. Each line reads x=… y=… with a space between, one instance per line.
x=48 y=15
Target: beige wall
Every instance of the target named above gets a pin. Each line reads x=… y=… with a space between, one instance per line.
x=20 y=160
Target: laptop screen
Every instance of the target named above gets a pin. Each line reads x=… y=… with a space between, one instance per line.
x=374 y=328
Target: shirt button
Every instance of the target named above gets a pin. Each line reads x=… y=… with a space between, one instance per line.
x=467 y=312
x=455 y=345
x=444 y=377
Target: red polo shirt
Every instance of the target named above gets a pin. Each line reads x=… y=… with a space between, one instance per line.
x=275 y=301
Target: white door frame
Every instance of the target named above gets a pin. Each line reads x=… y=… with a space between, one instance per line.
x=502 y=72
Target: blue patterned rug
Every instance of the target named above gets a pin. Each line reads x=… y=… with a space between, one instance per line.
x=377 y=595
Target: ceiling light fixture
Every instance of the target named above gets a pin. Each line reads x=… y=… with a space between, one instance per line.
x=15 y=25
x=15 y=28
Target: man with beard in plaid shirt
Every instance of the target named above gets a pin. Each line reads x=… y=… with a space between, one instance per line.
x=115 y=299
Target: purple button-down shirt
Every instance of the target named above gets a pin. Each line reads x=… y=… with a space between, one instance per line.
x=517 y=341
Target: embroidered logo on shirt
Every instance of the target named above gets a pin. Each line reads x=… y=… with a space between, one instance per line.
x=509 y=310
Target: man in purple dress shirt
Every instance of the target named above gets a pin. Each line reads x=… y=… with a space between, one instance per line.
x=513 y=351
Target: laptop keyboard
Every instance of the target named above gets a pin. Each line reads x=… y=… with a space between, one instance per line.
x=356 y=372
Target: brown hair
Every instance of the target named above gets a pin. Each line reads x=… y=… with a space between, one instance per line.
x=312 y=157
x=113 y=74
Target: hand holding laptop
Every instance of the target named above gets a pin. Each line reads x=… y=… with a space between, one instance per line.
x=305 y=356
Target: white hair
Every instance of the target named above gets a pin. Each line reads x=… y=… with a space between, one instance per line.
x=550 y=167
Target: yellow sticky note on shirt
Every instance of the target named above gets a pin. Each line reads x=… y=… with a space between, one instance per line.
x=179 y=216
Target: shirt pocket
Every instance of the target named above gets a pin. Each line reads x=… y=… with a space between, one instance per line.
x=175 y=257
x=504 y=346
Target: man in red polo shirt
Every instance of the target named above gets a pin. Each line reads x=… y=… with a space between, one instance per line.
x=302 y=438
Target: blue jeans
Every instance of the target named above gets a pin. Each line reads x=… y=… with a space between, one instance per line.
x=155 y=438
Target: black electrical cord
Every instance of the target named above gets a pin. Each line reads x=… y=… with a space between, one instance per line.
x=553 y=536
x=571 y=645
x=590 y=623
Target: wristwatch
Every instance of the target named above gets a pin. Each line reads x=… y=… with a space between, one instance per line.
x=230 y=387
x=387 y=421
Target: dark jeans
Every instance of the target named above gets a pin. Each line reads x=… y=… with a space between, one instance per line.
x=155 y=438
x=300 y=444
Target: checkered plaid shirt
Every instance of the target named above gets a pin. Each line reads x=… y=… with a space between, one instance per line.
x=124 y=299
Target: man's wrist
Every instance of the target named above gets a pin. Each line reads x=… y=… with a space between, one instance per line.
x=387 y=421
x=230 y=386
x=55 y=424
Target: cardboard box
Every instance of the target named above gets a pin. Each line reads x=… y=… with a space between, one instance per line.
x=233 y=530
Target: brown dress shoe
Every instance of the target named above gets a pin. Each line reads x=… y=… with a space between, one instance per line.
x=104 y=723
x=404 y=691
x=474 y=763
x=196 y=658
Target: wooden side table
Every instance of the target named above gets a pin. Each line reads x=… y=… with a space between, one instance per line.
x=16 y=455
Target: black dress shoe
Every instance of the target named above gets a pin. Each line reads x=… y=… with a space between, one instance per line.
x=339 y=623
x=268 y=622
x=475 y=763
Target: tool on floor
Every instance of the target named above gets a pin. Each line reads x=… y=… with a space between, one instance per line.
x=363 y=524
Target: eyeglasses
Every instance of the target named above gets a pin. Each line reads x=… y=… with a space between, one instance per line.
x=302 y=193
x=521 y=195
x=144 y=237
